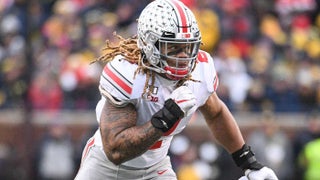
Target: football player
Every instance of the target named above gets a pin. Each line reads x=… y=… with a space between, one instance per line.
x=150 y=86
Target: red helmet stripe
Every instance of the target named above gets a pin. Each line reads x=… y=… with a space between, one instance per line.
x=182 y=14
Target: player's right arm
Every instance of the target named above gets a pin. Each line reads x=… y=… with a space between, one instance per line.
x=122 y=139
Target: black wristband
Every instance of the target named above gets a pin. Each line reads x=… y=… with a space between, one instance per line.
x=166 y=117
x=245 y=159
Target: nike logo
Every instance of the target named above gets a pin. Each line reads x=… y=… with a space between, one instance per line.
x=244 y=153
x=162 y=171
x=165 y=124
x=166 y=34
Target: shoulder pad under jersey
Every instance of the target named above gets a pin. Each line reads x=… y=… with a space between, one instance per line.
x=117 y=79
x=206 y=71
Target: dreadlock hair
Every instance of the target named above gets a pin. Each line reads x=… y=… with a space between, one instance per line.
x=129 y=49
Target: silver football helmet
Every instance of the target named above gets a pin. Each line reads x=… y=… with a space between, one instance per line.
x=167 y=28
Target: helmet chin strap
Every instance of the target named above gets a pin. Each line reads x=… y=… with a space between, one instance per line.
x=167 y=72
x=174 y=78
x=175 y=72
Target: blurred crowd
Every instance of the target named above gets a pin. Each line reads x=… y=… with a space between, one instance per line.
x=46 y=48
x=266 y=52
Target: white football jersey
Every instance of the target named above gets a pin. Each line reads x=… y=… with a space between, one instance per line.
x=119 y=81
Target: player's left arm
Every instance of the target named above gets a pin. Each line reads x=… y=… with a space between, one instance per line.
x=222 y=123
x=224 y=127
x=215 y=112
x=226 y=131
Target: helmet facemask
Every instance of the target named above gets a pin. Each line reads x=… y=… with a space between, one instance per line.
x=169 y=48
x=178 y=57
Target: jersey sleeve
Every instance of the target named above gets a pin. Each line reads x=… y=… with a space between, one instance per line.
x=208 y=71
x=116 y=81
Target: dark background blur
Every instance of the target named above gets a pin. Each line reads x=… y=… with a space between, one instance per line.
x=267 y=54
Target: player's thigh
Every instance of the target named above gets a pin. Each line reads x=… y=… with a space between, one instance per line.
x=95 y=166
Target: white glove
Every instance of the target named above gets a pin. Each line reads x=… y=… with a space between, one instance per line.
x=185 y=99
x=264 y=173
